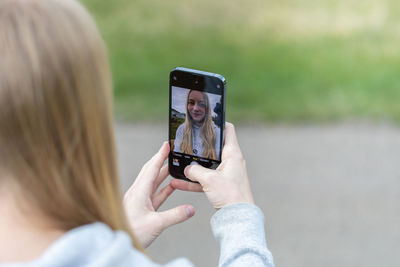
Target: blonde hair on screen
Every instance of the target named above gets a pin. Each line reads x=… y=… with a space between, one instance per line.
x=56 y=125
x=207 y=132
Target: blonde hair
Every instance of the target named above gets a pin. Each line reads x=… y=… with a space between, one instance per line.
x=206 y=131
x=56 y=125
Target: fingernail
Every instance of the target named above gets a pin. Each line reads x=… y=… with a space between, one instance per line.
x=189 y=211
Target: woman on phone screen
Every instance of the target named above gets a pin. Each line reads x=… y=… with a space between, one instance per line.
x=198 y=135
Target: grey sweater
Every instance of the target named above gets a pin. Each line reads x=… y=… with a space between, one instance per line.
x=238 y=228
x=197 y=142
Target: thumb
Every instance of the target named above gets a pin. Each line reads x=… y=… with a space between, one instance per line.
x=198 y=173
x=176 y=215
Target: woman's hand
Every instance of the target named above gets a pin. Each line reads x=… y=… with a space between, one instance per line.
x=226 y=185
x=141 y=201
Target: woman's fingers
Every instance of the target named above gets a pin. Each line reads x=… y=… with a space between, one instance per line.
x=151 y=170
x=198 y=173
x=230 y=134
x=161 y=196
x=158 y=159
x=231 y=145
x=176 y=215
x=185 y=185
x=161 y=177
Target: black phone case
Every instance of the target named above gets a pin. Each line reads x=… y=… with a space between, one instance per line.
x=202 y=81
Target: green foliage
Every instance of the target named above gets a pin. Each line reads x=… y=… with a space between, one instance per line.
x=175 y=122
x=289 y=60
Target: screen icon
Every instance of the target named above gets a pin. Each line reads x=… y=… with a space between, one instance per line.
x=175 y=162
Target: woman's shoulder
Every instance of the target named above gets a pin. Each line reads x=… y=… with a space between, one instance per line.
x=95 y=244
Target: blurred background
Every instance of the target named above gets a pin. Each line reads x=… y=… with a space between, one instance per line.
x=313 y=88
x=286 y=60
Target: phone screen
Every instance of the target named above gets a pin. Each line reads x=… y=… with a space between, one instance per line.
x=196 y=119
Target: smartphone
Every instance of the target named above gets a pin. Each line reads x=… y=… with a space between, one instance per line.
x=196 y=119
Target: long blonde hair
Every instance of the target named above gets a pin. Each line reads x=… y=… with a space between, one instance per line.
x=56 y=124
x=206 y=131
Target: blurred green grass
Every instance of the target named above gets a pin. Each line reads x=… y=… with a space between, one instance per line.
x=284 y=61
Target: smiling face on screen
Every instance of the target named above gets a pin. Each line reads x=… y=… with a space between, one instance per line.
x=196 y=106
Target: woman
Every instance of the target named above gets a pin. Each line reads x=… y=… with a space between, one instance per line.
x=198 y=135
x=60 y=202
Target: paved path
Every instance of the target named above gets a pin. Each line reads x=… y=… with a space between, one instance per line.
x=330 y=194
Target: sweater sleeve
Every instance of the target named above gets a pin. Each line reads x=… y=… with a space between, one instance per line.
x=239 y=230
